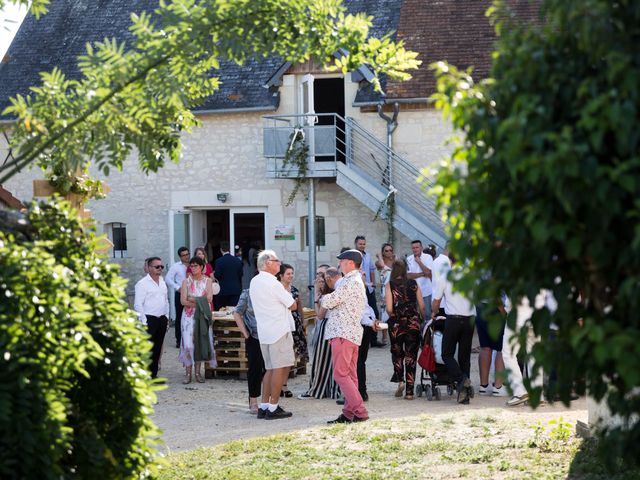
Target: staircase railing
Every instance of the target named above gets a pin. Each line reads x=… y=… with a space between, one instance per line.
x=385 y=167
x=334 y=139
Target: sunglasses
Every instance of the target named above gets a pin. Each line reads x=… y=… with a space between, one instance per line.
x=157 y=267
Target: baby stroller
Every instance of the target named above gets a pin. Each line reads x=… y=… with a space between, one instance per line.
x=429 y=381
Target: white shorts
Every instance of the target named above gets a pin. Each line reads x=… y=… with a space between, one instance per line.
x=279 y=354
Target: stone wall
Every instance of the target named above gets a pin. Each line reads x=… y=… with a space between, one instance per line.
x=225 y=155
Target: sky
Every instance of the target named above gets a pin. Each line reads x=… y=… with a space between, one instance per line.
x=10 y=19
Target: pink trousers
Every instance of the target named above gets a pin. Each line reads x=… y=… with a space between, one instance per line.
x=344 y=358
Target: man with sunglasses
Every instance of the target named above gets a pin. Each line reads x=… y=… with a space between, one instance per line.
x=152 y=305
x=272 y=306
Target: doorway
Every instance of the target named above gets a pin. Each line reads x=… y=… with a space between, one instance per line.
x=242 y=227
x=328 y=97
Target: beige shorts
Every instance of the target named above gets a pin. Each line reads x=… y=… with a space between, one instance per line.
x=279 y=354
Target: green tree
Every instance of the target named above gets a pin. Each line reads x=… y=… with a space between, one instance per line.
x=139 y=96
x=75 y=396
x=542 y=190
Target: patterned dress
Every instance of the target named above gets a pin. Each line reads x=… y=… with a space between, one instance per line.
x=195 y=288
x=404 y=332
x=299 y=338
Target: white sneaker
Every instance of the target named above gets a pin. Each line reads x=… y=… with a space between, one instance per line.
x=515 y=400
x=499 y=392
x=484 y=390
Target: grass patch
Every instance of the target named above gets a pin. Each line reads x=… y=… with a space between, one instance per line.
x=408 y=448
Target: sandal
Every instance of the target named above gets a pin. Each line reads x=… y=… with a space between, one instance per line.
x=199 y=378
x=400 y=389
x=408 y=397
x=187 y=379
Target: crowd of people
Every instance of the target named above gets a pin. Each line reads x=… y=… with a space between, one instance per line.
x=412 y=293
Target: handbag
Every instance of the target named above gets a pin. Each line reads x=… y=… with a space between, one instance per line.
x=215 y=287
x=427 y=358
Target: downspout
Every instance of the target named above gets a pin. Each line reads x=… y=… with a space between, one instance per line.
x=392 y=124
x=311 y=231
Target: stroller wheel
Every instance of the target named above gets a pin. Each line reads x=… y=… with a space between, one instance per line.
x=437 y=394
x=419 y=390
x=449 y=390
x=429 y=394
x=471 y=392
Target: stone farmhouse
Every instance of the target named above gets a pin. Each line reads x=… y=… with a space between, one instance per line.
x=231 y=183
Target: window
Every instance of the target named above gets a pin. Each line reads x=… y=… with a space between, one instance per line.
x=320 y=233
x=117 y=233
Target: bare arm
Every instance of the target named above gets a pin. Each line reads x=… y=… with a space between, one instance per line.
x=240 y=323
x=301 y=312
x=435 y=306
x=209 y=290
x=185 y=300
x=420 y=300
x=388 y=299
x=425 y=271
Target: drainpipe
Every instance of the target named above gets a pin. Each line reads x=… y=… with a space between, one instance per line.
x=392 y=124
x=311 y=230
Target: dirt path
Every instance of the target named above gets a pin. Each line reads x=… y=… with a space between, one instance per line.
x=197 y=415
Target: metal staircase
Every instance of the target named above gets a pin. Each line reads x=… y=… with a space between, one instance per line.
x=361 y=164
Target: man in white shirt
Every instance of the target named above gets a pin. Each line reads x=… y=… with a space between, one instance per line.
x=441 y=264
x=152 y=305
x=176 y=275
x=419 y=266
x=272 y=305
x=458 y=332
x=368 y=271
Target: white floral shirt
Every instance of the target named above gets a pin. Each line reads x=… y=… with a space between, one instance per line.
x=345 y=309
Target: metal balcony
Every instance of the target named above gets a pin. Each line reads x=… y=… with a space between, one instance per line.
x=324 y=134
x=361 y=164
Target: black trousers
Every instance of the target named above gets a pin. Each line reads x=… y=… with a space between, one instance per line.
x=256 y=369
x=156 y=328
x=458 y=330
x=226 y=300
x=363 y=352
x=178 y=322
x=371 y=300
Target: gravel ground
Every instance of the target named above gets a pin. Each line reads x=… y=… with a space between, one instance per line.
x=216 y=411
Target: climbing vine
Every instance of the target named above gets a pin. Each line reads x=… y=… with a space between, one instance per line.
x=296 y=158
x=387 y=209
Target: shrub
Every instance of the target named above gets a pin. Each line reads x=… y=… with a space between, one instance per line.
x=75 y=393
x=542 y=192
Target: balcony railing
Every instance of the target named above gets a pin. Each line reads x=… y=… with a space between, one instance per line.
x=324 y=134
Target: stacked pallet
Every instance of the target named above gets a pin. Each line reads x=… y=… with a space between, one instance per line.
x=229 y=346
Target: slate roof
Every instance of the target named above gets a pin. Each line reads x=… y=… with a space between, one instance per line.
x=454 y=30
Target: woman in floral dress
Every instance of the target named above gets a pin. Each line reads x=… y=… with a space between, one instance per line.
x=194 y=286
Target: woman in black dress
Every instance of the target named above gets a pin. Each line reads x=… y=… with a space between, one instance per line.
x=299 y=338
x=404 y=303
